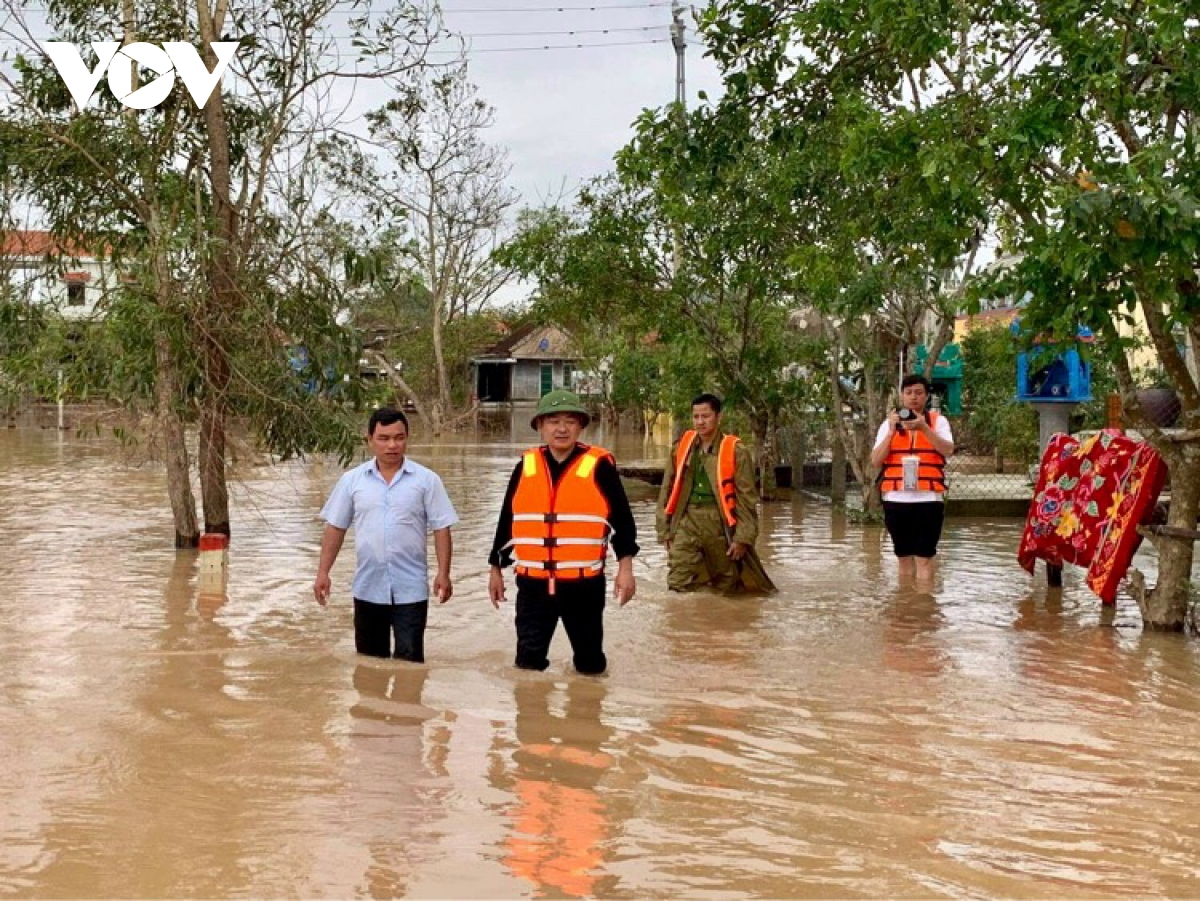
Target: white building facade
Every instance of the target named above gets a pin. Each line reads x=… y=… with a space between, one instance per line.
x=42 y=271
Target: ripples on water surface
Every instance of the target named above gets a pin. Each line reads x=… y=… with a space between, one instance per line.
x=847 y=737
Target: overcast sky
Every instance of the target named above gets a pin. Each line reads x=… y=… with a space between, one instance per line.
x=562 y=114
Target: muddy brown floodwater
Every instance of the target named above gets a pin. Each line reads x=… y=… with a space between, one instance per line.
x=847 y=737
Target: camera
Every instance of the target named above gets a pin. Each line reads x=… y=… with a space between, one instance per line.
x=906 y=415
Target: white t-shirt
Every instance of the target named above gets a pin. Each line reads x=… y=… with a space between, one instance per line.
x=941 y=428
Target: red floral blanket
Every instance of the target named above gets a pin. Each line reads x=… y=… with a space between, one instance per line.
x=1090 y=499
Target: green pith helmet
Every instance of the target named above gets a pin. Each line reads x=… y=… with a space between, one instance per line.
x=560 y=401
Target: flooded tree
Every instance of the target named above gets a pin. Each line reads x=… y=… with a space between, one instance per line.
x=1067 y=134
x=597 y=275
x=437 y=193
x=217 y=217
x=685 y=243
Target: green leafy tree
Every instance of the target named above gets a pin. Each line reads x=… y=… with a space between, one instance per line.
x=218 y=218
x=1066 y=131
x=598 y=278
x=995 y=422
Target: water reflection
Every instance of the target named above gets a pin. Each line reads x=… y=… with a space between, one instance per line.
x=384 y=757
x=560 y=830
x=1040 y=611
x=912 y=619
x=712 y=630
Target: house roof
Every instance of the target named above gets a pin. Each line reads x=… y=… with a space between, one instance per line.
x=504 y=347
x=532 y=342
x=33 y=243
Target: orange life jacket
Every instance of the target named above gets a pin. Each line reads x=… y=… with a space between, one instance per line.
x=726 y=472
x=560 y=531
x=931 y=468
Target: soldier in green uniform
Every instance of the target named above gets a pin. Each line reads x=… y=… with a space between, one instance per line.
x=708 y=508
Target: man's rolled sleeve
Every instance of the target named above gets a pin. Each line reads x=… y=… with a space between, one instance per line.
x=339 y=508
x=440 y=513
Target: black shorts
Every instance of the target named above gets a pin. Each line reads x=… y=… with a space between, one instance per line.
x=915 y=528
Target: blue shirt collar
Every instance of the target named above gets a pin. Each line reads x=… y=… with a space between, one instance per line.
x=406 y=466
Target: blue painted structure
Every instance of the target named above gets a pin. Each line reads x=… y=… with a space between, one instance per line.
x=1048 y=373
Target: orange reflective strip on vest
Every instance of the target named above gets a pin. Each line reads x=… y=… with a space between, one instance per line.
x=682 y=452
x=726 y=475
x=560 y=531
x=727 y=472
x=931 y=470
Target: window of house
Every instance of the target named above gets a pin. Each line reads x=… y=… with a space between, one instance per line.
x=568 y=376
x=75 y=294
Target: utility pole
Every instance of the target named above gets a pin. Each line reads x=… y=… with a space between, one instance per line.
x=680 y=45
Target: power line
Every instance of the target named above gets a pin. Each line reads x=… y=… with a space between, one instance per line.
x=515 y=9
x=559 y=9
x=481 y=34
x=473 y=51
x=531 y=34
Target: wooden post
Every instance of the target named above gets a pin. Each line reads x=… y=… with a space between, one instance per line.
x=1112 y=410
x=837 y=472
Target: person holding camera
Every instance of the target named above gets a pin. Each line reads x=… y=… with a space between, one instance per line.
x=911 y=449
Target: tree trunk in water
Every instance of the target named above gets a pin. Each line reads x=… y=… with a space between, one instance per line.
x=175 y=454
x=841 y=435
x=1166 y=605
x=871 y=496
x=224 y=297
x=167 y=390
x=442 y=407
x=799 y=459
x=765 y=457
x=837 y=477
x=436 y=423
x=214 y=492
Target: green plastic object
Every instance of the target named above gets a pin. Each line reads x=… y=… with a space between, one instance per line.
x=947 y=376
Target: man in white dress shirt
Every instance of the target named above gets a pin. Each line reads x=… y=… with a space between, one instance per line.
x=393 y=503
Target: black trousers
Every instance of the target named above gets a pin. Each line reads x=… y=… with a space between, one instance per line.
x=375 y=623
x=579 y=603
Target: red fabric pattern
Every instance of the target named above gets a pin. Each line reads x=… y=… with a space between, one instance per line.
x=1089 y=500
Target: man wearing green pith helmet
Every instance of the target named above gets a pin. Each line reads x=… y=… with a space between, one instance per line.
x=565 y=504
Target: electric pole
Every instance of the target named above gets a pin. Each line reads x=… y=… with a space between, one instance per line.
x=680 y=45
